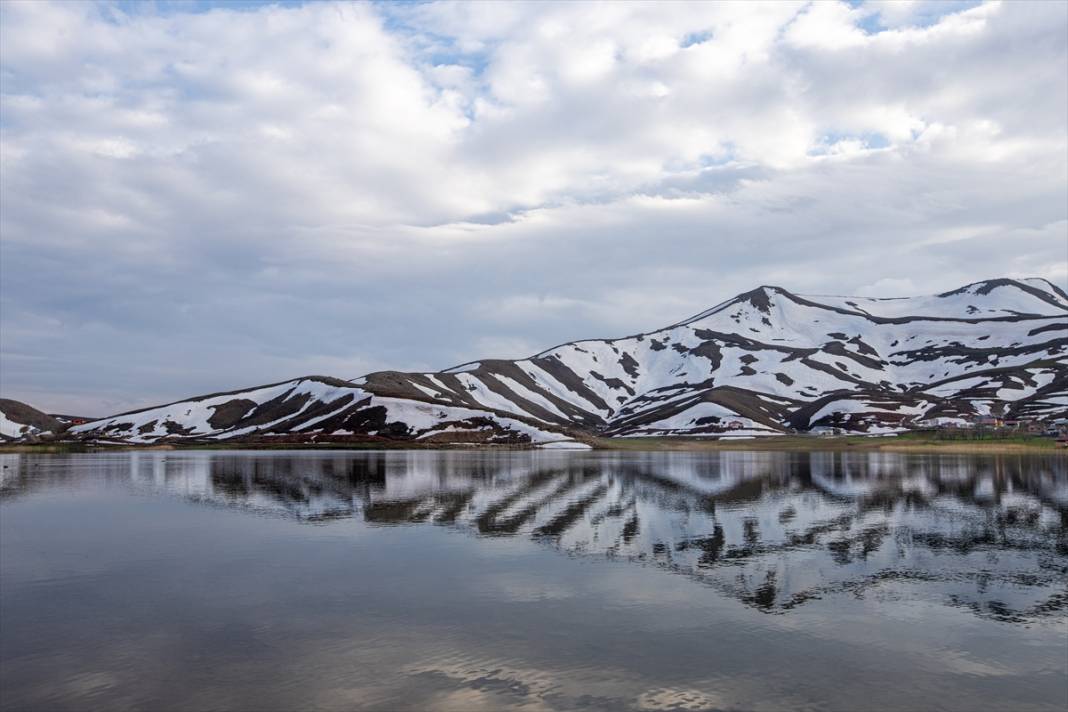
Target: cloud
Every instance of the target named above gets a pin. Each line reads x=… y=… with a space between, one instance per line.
x=212 y=199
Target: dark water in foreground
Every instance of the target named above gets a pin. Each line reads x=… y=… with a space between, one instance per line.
x=525 y=580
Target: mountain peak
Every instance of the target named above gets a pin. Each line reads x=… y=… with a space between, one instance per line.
x=1035 y=286
x=760 y=298
x=986 y=286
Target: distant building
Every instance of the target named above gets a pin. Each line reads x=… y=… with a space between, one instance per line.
x=942 y=423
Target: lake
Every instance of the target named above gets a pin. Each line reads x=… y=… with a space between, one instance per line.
x=495 y=580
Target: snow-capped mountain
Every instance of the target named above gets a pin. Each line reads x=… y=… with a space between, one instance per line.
x=314 y=408
x=763 y=363
x=19 y=421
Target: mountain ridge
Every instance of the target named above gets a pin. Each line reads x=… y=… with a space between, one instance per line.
x=765 y=362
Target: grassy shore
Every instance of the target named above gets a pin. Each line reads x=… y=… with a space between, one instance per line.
x=44 y=448
x=120 y=447
x=908 y=442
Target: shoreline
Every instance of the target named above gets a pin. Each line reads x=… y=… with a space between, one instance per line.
x=784 y=443
x=846 y=443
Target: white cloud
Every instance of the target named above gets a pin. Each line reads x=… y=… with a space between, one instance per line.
x=827 y=25
x=230 y=196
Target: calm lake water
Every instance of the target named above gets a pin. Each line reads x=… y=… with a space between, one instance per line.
x=533 y=580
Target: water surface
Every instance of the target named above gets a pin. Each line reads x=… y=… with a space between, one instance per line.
x=526 y=580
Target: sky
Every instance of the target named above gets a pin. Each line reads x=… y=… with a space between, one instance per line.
x=207 y=196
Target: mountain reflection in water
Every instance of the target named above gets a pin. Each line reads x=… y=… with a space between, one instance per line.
x=771 y=530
